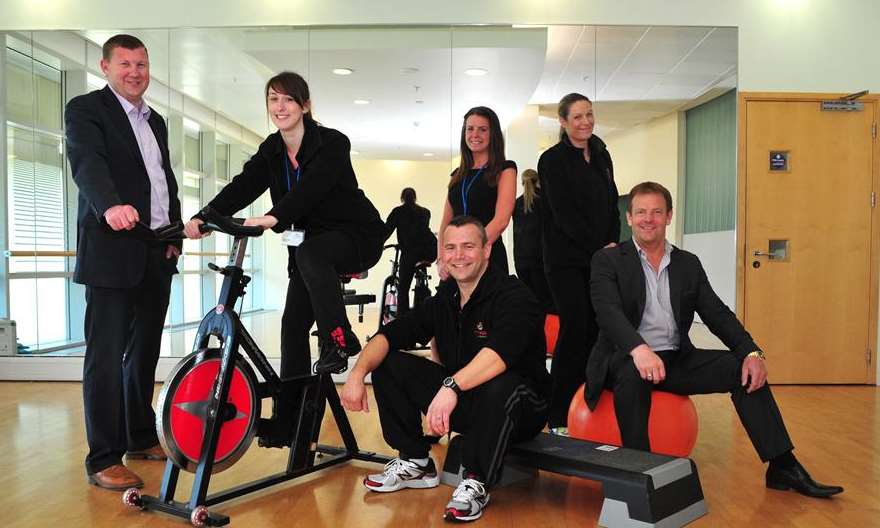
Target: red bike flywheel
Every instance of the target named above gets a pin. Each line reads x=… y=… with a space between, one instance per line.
x=183 y=408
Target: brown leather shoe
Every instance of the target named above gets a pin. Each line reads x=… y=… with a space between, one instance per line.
x=153 y=453
x=116 y=477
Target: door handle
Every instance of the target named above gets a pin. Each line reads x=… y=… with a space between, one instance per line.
x=759 y=253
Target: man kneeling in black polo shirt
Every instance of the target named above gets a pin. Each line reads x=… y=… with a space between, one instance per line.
x=489 y=381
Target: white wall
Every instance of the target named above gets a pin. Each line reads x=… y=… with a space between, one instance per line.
x=649 y=152
x=717 y=252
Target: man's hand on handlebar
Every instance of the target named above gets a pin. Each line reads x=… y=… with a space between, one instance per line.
x=121 y=217
x=266 y=222
x=191 y=229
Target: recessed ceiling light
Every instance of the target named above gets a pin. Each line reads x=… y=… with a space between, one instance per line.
x=355 y=152
x=476 y=72
x=343 y=71
x=361 y=101
x=428 y=154
x=409 y=71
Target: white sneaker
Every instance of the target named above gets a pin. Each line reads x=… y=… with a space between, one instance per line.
x=400 y=473
x=559 y=431
x=468 y=501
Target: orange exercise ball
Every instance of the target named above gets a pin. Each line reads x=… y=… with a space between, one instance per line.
x=672 y=425
x=551 y=332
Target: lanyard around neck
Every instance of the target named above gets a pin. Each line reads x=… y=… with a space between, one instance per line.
x=466 y=184
x=287 y=164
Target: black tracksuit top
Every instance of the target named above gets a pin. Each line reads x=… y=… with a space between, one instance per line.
x=579 y=214
x=325 y=198
x=502 y=314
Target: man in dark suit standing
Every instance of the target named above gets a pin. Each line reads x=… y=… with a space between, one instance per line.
x=646 y=292
x=118 y=152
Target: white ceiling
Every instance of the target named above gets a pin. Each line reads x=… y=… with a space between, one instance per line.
x=414 y=77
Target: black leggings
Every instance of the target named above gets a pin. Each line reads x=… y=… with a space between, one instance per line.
x=536 y=280
x=314 y=295
x=577 y=334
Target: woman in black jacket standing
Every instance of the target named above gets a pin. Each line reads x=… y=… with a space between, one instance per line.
x=528 y=257
x=580 y=217
x=483 y=185
x=329 y=225
x=416 y=241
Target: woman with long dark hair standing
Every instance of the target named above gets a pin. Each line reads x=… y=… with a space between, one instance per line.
x=330 y=226
x=580 y=216
x=483 y=185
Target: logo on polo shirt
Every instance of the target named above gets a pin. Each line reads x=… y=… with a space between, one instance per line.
x=479 y=331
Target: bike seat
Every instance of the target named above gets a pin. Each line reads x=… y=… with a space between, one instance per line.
x=345 y=278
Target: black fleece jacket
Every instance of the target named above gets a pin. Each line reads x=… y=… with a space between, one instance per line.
x=579 y=214
x=326 y=197
x=502 y=314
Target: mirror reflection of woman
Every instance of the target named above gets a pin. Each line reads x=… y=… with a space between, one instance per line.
x=483 y=185
x=580 y=216
x=528 y=252
x=330 y=227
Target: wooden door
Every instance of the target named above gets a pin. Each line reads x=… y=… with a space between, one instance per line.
x=808 y=184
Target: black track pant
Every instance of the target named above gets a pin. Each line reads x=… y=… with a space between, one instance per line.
x=577 y=334
x=505 y=409
x=697 y=372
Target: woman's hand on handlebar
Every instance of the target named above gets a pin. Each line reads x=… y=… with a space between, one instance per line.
x=266 y=222
x=191 y=229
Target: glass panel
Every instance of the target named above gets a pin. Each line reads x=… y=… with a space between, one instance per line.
x=417 y=82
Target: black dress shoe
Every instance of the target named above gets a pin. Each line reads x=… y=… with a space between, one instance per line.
x=797 y=478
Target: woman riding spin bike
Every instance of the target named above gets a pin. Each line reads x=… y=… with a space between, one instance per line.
x=328 y=224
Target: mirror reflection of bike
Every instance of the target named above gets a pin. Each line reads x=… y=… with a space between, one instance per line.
x=391 y=287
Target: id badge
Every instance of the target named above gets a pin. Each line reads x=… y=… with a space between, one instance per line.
x=293 y=237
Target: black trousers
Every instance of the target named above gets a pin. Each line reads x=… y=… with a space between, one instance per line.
x=408 y=261
x=123 y=331
x=535 y=278
x=570 y=288
x=697 y=372
x=505 y=409
x=314 y=295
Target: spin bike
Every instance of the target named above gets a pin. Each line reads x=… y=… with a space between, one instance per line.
x=391 y=287
x=208 y=411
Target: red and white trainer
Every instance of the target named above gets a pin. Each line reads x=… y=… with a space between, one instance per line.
x=469 y=500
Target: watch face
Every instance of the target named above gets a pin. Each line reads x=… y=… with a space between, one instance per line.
x=448 y=382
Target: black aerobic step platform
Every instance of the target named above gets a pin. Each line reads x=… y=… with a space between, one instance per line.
x=642 y=490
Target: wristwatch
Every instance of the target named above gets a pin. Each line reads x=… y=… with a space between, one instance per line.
x=450 y=383
x=758 y=354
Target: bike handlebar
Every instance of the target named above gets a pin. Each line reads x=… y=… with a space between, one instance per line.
x=214 y=221
x=169 y=233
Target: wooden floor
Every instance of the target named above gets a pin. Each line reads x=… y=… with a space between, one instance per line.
x=836 y=431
